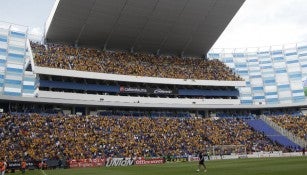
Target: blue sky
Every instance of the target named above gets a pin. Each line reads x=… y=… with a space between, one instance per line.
x=258 y=22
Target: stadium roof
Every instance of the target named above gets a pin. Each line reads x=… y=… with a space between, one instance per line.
x=188 y=27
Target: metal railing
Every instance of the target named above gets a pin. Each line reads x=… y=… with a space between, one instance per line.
x=284 y=132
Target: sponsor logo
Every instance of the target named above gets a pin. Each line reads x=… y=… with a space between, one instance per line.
x=192 y=159
x=119 y=162
x=124 y=89
x=86 y=163
x=161 y=91
x=149 y=161
x=16 y=165
x=242 y=156
x=132 y=90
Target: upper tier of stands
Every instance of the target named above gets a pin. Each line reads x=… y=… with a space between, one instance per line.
x=138 y=64
x=37 y=137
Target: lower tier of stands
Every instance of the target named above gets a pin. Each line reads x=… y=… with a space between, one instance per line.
x=33 y=136
x=296 y=124
x=275 y=136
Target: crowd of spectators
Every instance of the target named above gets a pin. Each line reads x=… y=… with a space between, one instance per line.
x=295 y=124
x=75 y=137
x=138 y=64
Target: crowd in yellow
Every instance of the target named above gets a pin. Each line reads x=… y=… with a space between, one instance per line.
x=138 y=64
x=77 y=137
x=297 y=125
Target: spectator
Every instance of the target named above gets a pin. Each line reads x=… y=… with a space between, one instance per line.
x=139 y=64
x=295 y=124
x=33 y=136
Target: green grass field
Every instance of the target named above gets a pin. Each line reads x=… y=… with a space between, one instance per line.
x=268 y=166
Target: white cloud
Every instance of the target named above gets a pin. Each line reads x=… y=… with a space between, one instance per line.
x=265 y=23
x=36 y=31
x=36 y=34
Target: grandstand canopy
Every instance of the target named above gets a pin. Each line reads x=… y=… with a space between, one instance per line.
x=188 y=27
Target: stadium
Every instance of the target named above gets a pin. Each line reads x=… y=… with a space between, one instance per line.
x=133 y=87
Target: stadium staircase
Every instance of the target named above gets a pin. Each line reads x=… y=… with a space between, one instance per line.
x=261 y=126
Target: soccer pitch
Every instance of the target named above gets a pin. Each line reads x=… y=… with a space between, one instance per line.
x=268 y=166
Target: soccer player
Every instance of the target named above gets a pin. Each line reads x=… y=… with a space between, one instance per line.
x=3 y=166
x=201 y=162
x=23 y=167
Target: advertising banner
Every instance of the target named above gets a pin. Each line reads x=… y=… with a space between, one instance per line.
x=161 y=91
x=119 y=162
x=82 y=163
x=149 y=161
x=195 y=158
x=17 y=165
x=136 y=90
x=133 y=90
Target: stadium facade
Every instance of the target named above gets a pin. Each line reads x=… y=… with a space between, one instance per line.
x=271 y=76
x=274 y=78
x=15 y=58
x=274 y=75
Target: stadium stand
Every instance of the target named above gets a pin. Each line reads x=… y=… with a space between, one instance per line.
x=139 y=64
x=169 y=128
x=48 y=137
x=262 y=126
x=295 y=124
